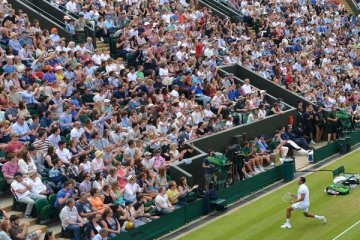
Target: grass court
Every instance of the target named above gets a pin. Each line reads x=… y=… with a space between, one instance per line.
x=262 y=218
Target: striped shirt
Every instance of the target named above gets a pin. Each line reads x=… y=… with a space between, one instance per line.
x=42 y=145
x=70 y=214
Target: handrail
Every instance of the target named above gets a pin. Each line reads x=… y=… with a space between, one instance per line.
x=222 y=14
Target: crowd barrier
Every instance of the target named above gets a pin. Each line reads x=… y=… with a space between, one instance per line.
x=194 y=210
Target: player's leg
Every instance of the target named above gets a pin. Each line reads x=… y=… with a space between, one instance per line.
x=317 y=217
x=288 y=216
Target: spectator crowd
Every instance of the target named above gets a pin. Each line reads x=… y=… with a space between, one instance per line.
x=103 y=131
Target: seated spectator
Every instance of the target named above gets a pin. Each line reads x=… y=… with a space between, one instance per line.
x=21 y=232
x=22 y=193
x=173 y=195
x=22 y=130
x=162 y=202
x=10 y=168
x=5 y=230
x=131 y=189
x=15 y=146
x=64 y=194
x=37 y=185
x=92 y=226
x=84 y=207
x=110 y=223
x=70 y=218
x=85 y=185
x=63 y=153
x=185 y=189
x=102 y=235
x=26 y=162
x=96 y=202
x=56 y=174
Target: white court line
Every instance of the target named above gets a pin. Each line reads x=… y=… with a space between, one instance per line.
x=346 y=230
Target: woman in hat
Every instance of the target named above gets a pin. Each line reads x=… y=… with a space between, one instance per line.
x=14 y=43
x=98 y=163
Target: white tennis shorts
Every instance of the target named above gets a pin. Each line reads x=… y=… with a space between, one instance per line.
x=300 y=207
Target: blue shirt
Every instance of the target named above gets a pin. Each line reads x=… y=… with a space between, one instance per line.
x=61 y=194
x=8 y=68
x=64 y=120
x=21 y=129
x=44 y=122
x=28 y=97
x=49 y=77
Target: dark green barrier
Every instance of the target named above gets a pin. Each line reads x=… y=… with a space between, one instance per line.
x=157 y=227
x=355 y=137
x=194 y=210
x=251 y=185
x=326 y=151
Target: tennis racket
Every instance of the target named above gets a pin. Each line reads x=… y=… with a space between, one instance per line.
x=287 y=197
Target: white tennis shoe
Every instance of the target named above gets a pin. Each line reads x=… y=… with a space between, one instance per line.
x=286 y=225
x=323 y=219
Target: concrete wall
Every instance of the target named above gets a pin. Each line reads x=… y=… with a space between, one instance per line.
x=262 y=83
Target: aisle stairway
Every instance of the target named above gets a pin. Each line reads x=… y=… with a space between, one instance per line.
x=6 y=202
x=102 y=45
x=347 y=6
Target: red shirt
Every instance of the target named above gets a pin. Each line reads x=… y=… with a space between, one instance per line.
x=13 y=146
x=199 y=50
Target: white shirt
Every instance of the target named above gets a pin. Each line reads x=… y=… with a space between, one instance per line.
x=130 y=191
x=37 y=185
x=25 y=167
x=131 y=77
x=15 y=185
x=76 y=133
x=246 y=88
x=303 y=189
x=64 y=155
x=174 y=93
x=161 y=201
x=71 y=6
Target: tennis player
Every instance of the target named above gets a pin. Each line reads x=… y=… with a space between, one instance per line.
x=301 y=203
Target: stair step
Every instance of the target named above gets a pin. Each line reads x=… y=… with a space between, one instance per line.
x=16 y=213
x=6 y=203
x=32 y=221
x=56 y=230
x=33 y=228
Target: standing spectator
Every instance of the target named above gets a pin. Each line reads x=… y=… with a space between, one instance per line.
x=332 y=124
x=209 y=170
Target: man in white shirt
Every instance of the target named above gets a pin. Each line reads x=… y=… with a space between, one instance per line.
x=71 y=6
x=301 y=202
x=131 y=76
x=63 y=153
x=77 y=131
x=175 y=92
x=246 y=87
x=22 y=193
x=162 y=202
x=131 y=189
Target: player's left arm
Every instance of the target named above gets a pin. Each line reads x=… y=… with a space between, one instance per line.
x=302 y=197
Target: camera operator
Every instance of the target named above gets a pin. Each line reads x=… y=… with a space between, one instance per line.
x=209 y=169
